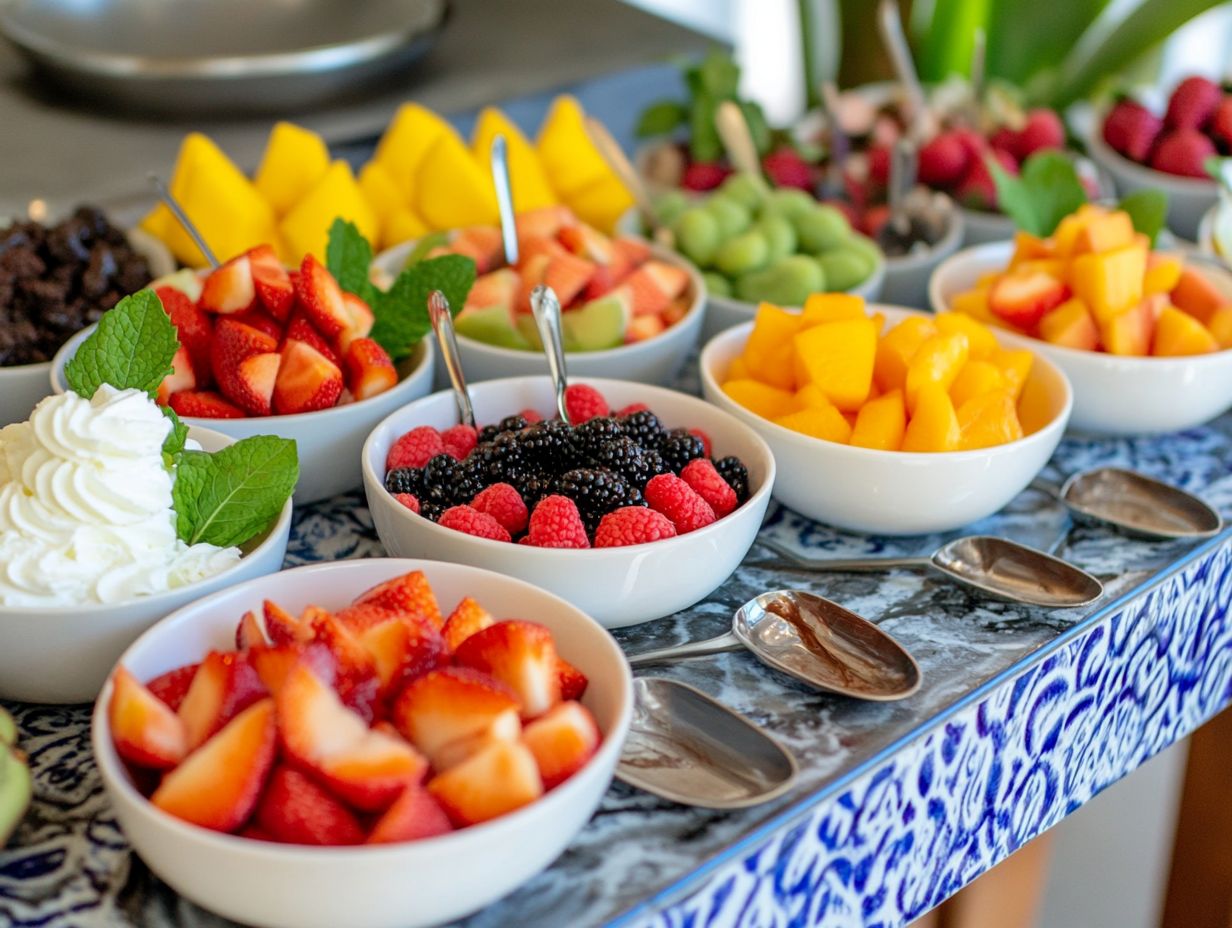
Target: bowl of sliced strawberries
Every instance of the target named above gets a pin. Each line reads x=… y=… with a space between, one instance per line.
x=629 y=309
x=384 y=725
x=266 y=350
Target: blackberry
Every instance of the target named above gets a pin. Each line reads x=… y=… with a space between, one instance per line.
x=495 y=461
x=444 y=481
x=643 y=427
x=629 y=459
x=507 y=424
x=679 y=448
x=732 y=469
x=593 y=433
x=548 y=446
x=535 y=488
x=405 y=480
x=431 y=511
x=597 y=492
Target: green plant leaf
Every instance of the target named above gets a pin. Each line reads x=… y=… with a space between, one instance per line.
x=951 y=38
x=1047 y=191
x=719 y=74
x=348 y=257
x=1148 y=210
x=759 y=129
x=132 y=348
x=179 y=434
x=661 y=118
x=424 y=245
x=704 y=141
x=228 y=497
x=403 y=317
x=1022 y=43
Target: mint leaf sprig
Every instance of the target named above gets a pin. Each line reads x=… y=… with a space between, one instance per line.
x=401 y=312
x=225 y=498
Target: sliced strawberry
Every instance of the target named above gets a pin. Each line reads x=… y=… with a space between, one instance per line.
x=180 y=379
x=366 y=768
x=1023 y=297
x=306 y=380
x=567 y=274
x=573 y=682
x=467 y=618
x=204 y=404
x=262 y=321
x=451 y=705
x=588 y=242
x=224 y=685
x=218 y=785
x=521 y=655
x=273 y=663
x=295 y=810
x=644 y=293
x=483 y=244
x=632 y=252
x=546 y=220
x=172 y=686
x=321 y=298
x=531 y=273
x=353 y=658
x=603 y=282
x=413 y=816
x=271 y=282
x=228 y=288
x=411 y=593
x=402 y=649
x=147 y=732
x=669 y=278
x=249 y=632
x=369 y=368
x=496 y=288
x=497 y=779
x=360 y=617
x=251 y=386
x=194 y=327
x=281 y=627
x=301 y=330
x=562 y=740
x=360 y=320
x=233 y=343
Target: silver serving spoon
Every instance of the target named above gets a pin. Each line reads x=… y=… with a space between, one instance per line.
x=685 y=747
x=999 y=567
x=504 y=199
x=903 y=164
x=181 y=217
x=546 y=309
x=1135 y=503
x=814 y=640
x=891 y=24
x=442 y=325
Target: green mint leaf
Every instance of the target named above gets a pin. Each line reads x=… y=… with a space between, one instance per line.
x=132 y=348
x=348 y=256
x=1148 y=210
x=704 y=141
x=759 y=129
x=719 y=74
x=229 y=497
x=402 y=312
x=661 y=118
x=179 y=434
x=1047 y=191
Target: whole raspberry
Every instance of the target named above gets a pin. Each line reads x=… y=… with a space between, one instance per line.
x=709 y=484
x=531 y=416
x=787 y=169
x=459 y=440
x=1192 y=103
x=632 y=525
x=705 y=439
x=555 y=523
x=415 y=449
x=409 y=501
x=704 y=175
x=472 y=522
x=584 y=402
x=504 y=504
x=671 y=496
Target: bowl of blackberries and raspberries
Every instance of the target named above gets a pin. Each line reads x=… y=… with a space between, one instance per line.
x=1167 y=147
x=641 y=506
x=56 y=279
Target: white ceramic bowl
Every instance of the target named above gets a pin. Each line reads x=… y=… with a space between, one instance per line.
x=328 y=440
x=1112 y=395
x=1188 y=197
x=655 y=360
x=63 y=655
x=618 y=586
x=892 y=492
x=391 y=886
x=907 y=276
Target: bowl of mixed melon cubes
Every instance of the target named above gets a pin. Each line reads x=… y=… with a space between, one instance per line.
x=888 y=420
x=1144 y=336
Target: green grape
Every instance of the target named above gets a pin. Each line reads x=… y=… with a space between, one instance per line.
x=821 y=229
x=779 y=233
x=748 y=251
x=733 y=218
x=717 y=284
x=864 y=245
x=746 y=189
x=788 y=202
x=787 y=282
x=697 y=235
x=670 y=205
x=845 y=268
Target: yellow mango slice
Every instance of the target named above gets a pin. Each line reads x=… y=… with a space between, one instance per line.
x=380 y=191
x=881 y=423
x=1177 y=333
x=1028 y=247
x=294 y=162
x=772 y=328
x=1104 y=233
x=838 y=357
x=974 y=303
x=831 y=307
x=824 y=422
x=896 y=349
x=569 y=158
x=938 y=362
x=451 y=189
x=1036 y=405
x=531 y=189
x=1066 y=234
x=737 y=370
x=403 y=226
x=810 y=395
x=1221 y=326
x=760 y=398
x=934 y=424
x=305 y=229
x=1109 y=282
x=1070 y=325
x=602 y=203
x=980 y=340
x=1163 y=272
x=975 y=379
x=988 y=420
x=1015 y=365
x=413 y=130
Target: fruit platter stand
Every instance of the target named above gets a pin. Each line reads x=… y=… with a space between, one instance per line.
x=1024 y=715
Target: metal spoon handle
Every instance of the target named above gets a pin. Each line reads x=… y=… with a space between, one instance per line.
x=182 y=218
x=615 y=157
x=546 y=309
x=891 y=24
x=856 y=564
x=840 y=144
x=442 y=325
x=719 y=645
x=902 y=180
x=737 y=139
x=504 y=199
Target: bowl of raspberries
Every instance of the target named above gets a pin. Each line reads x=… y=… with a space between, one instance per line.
x=640 y=506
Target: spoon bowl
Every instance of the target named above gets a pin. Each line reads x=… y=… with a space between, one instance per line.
x=1011 y=571
x=1139 y=505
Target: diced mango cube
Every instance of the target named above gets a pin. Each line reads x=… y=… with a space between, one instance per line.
x=294 y=162
x=980 y=340
x=759 y=398
x=1197 y=295
x=772 y=327
x=413 y=130
x=896 y=349
x=1104 y=233
x=451 y=189
x=938 y=362
x=838 y=357
x=1015 y=365
x=975 y=379
x=1178 y=333
x=934 y=423
x=881 y=423
x=305 y=229
x=991 y=419
x=974 y=303
x=737 y=370
x=1071 y=325
x=824 y=422
x=1037 y=405
x=531 y=189
x=810 y=395
x=1129 y=333
x=1110 y=282
x=831 y=307
x=1221 y=326
x=1163 y=272
x=1028 y=247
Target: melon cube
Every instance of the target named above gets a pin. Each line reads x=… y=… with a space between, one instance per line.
x=838 y=357
x=1129 y=333
x=1195 y=294
x=934 y=423
x=1071 y=325
x=1178 y=333
x=881 y=423
x=1221 y=326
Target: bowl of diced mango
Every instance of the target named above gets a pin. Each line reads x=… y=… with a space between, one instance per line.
x=888 y=420
x=1144 y=336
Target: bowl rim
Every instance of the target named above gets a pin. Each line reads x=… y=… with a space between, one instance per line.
x=987 y=250
x=1114 y=162
x=1059 y=421
x=112 y=772
x=697 y=306
x=939 y=250
x=279 y=527
x=421 y=356
x=570 y=555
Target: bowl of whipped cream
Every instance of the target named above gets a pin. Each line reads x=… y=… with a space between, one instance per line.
x=89 y=554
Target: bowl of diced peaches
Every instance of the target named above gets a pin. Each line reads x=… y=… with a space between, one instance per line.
x=1144 y=336
x=888 y=420
x=427 y=735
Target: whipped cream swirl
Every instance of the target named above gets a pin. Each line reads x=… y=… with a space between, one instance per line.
x=85 y=505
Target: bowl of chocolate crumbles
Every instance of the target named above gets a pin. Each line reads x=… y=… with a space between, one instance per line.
x=56 y=279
